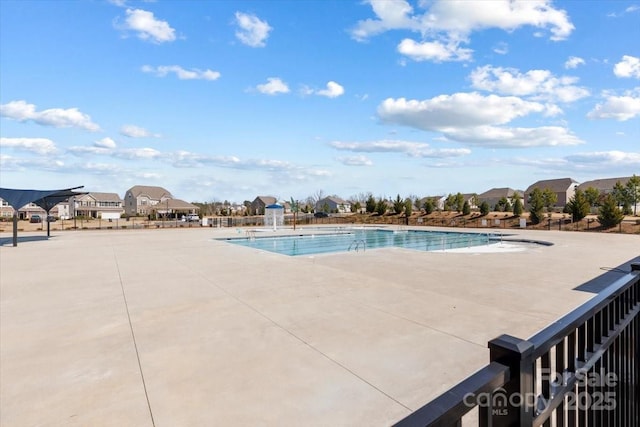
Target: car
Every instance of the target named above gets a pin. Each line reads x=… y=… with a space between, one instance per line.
x=321 y=214
x=35 y=219
x=191 y=218
x=51 y=218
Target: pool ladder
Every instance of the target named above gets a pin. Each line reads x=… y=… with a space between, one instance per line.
x=251 y=234
x=355 y=245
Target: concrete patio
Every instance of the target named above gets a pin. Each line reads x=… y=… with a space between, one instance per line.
x=172 y=328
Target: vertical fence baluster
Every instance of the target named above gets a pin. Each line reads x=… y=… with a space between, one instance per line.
x=560 y=372
x=571 y=369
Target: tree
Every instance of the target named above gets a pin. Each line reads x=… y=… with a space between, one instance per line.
x=398 y=205
x=459 y=202
x=370 y=205
x=450 y=202
x=466 y=208
x=517 y=207
x=429 y=206
x=633 y=190
x=381 y=207
x=578 y=206
x=623 y=197
x=484 y=208
x=408 y=207
x=609 y=213
x=356 y=207
x=593 y=196
x=536 y=205
x=503 y=205
x=549 y=198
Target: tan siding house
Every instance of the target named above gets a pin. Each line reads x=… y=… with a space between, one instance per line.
x=97 y=205
x=139 y=199
x=564 y=188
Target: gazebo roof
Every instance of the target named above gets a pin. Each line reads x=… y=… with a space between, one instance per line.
x=274 y=206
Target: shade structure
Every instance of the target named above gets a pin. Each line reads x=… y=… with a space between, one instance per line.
x=46 y=199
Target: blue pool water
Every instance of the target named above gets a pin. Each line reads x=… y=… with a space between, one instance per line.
x=360 y=240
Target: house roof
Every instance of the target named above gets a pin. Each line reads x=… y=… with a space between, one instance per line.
x=334 y=199
x=496 y=193
x=103 y=197
x=174 y=204
x=605 y=184
x=155 y=193
x=555 y=185
x=267 y=200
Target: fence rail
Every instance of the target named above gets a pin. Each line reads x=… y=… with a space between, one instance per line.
x=583 y=370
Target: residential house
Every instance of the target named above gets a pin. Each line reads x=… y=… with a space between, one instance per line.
x=438 y=202
x=6 y=211
x=333 y=204
x=140 y=199
x=30 y=209
x=96 y=205
x=173 y=208
x=493 y=196
x=606 y=185
x=60 y=210
x=471 y=199
x=260 y=203
x=564 y=188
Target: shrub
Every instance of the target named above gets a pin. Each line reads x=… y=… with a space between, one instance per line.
x=609 y=213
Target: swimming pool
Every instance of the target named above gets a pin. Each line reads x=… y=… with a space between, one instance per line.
x=361 y=240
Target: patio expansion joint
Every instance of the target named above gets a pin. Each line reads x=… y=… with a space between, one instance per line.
x=133 y=337
x=304 y=342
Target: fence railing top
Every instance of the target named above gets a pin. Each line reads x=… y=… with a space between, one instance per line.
x=449 y=407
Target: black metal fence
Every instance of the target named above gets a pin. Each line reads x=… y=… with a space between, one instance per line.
x=583 y=370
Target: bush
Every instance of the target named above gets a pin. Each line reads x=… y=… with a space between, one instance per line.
x=609 y=214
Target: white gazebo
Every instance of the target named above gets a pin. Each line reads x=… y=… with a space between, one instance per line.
x=274 y=216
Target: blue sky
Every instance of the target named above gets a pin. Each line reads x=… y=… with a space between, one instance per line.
x=227 y=100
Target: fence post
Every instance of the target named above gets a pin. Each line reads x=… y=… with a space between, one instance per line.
x=516 y=406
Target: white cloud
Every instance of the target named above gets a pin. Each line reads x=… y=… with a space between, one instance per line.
x=573 y=62
x=471 y=118
x=181 y=73
x=252 y=31
x=56 y=117
x=620 y=108
x=629 y=66
x=501 y=48
x=456 y=19
x=138 y=153
x=148 y=27
x=273 y=86
x=333 y=90
x=355 y=160
x=392 y=15
x=8 y=163
x=411 y=149
x=617 y=158
x=105 y=143
x=42 y=146
x=457 y=110
x=435 y=51
x=535 y=84
x=96 y=150
x=133 y=131
x=505 y=137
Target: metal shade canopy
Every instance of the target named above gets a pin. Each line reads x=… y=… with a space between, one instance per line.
x=46 y=199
